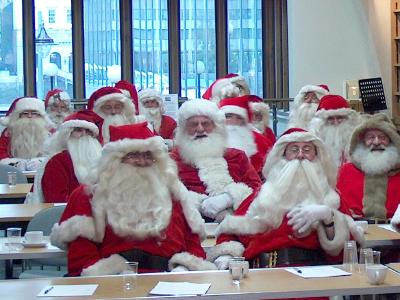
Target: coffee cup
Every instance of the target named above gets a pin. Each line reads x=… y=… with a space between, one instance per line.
x=363 y=225
x=376 y=273
x=34 y=237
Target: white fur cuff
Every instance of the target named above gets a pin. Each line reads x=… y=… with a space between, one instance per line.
x=190 y=261
x=226 y=248
x=111 y=265
x=239 y=192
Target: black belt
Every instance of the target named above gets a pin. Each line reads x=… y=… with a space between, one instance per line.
x=146 y=260
x=287 y=257
x=374 y=220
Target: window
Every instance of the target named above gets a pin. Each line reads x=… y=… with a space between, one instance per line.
x=52 y=16
x=69 y=16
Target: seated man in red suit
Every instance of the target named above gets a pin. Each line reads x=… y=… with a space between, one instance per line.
x=58 y=106
x=294 y=219
x=241 y=134
x=152 y=107
x=74 y=151
x=135 y=209
x=220 y=178
x=260 y=118
x=129 y=89
x=27 y=128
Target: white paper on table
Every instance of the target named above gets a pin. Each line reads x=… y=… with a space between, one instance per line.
x=180 y=288
x=60 y=204
x=317 y=271
x=387 y=227
x=68 y=290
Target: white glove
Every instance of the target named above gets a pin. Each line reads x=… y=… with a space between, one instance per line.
x=395 y=222
x=211 y=206
x=180 y=269
x=21 y=164
x=222 y=214
x=302 y=217
x=222 y=262
x=34 y=163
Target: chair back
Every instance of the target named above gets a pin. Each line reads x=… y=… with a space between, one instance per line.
x=4 y=169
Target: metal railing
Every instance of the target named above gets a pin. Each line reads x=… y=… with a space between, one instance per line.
x=275 y=104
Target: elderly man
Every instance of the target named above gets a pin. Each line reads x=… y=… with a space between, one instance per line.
x=333 y=123
x=231 y=85
x=122 y=217
x=220 y=178
x=74 y=150
x=260 y=118
x=152 y=107
x=21 y=143
x=241 y=134
x=58 y=106
x=113 y=107
x=305 y=105
x=294 y=219
x=129 y=89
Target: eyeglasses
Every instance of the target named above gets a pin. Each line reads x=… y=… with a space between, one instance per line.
x=306 y=150
x=138 y=155
x=311 y=98
x=27 y=114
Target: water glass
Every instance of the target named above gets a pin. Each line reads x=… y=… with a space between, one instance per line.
x=129 y=275
x=366 y=258
x=350 y=257
x=14 y=238
x=12 y=179
x=236 y=269
x=376 y=256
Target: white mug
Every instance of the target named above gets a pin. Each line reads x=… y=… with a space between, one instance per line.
x=376 y=273
x=34 y=237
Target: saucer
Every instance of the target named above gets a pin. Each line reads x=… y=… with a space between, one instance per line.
x=34 y=245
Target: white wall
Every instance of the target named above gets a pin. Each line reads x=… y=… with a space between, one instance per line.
x=331 y=41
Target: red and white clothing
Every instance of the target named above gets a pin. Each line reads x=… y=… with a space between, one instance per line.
x=264 y=145
x=167 y=127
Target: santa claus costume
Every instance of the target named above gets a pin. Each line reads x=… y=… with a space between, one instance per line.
x=258 y=106
x=335 y=136
x=21 y=143
x=231 y=85
x=121 y=216
x=129 y=89
x=57 y=116
x=301 y=113
x=70 y=160
x=163 y=125
x=245 y=138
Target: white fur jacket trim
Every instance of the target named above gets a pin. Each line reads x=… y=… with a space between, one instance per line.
x=71 y=229
x=190 y=261
x=226 y=248
x=10 y=160
x=112 y=265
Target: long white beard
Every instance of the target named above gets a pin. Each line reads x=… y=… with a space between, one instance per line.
x=302 y=116
x=57 y=118
x=259 y=125
x=85 y=152
x=115 y=120
x=27 y=137
x=241 y=137
x=194 y=150
x=133 y=207
x=376 y=162
x=153 y=116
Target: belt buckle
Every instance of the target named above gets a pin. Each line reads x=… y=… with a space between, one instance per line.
x=272 y=259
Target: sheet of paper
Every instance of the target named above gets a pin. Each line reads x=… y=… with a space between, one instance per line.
x=317 y=271
x=68 y=290
x=387 y=227
x=180 y=288
x=60 y=203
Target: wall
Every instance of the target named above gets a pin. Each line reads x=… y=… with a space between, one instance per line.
x=333 y=41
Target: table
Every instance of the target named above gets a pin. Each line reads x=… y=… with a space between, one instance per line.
x=14 y=194
x=260 y=283
x=30 y=175
x=380 y=237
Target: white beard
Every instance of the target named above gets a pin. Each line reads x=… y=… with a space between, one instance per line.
x=85 y=152
x=115 y=120
x=259 y=125
x=376 y=162
x=132 y=206
x=27 y=137
x=153 y=116
x=241 y=137
x=303 y=114
x=57 y=118
x=194 y=150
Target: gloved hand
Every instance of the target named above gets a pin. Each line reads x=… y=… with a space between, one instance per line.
x=34 y=163
x=395 y=222
x=222 y=262
x=180 y=269
x=302 y=217
x=222 y=214
x=211 y=206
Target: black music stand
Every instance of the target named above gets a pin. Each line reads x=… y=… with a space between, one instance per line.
x=372 y=94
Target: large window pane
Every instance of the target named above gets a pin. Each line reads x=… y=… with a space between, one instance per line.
x=102 y=42
x=244 y=42
x=53 y=46
x=150 y=44
x=11 y=61
x=198 y=48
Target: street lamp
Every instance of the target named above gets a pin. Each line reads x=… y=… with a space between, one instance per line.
x=43 y=46
x=200 y=68
x=51 y=70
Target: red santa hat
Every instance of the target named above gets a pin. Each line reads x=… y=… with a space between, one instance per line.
x=21 y=104
x=99 y=97
x=237 y=105
x=218 y=87
x=130 y=91
x=319 y=90
x=82 y=119
x=199 y=107
x=58 y=94
x=151 y=94
x=333 y=105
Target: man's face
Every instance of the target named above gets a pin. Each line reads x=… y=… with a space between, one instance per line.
x=78 y=132
x=311 y=97
x=139 y=159
x=112 y=107
x=59 y=107
x=199 y=126
x=151 y=103
x=376 y=140
x=257 y=116
x=300 y=150
x=29 y=114
x=336 y=120
x=234 y=119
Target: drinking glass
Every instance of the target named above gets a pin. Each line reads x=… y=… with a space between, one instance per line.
x=12 y=179
x=14 y=238
x=236 y=269
x=350 y=258
x=129 y=275
x=366 y=258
